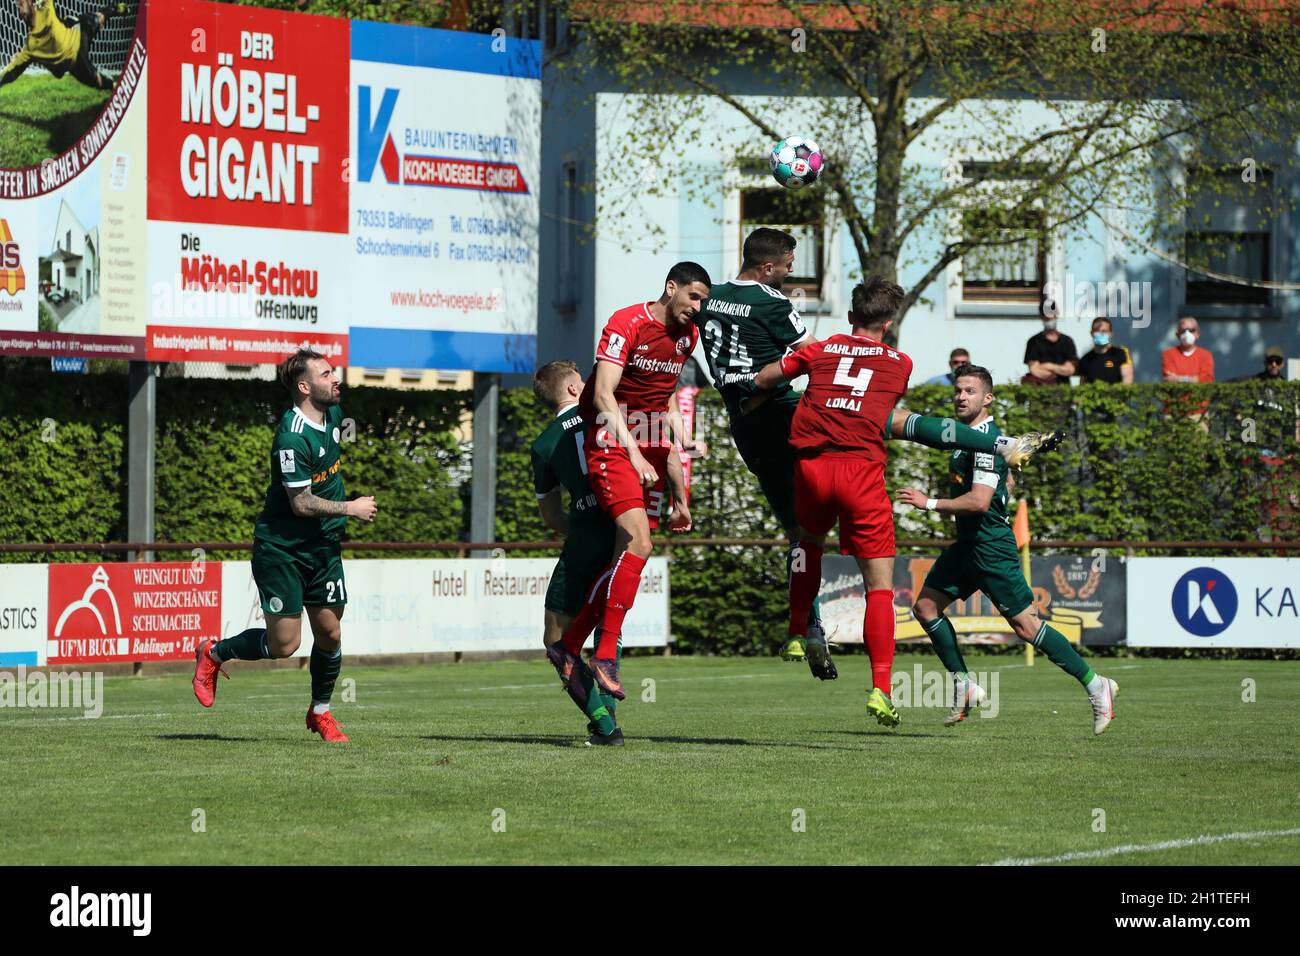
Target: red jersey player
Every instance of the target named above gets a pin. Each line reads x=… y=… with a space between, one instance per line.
x=838 y=433
x=626 y=407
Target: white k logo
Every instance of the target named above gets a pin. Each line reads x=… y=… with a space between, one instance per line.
x=1196 y=599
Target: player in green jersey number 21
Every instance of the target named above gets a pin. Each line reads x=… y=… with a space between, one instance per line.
x=297 y=544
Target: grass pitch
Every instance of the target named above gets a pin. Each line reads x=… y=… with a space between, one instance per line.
x=40 y=117
x=714 y=771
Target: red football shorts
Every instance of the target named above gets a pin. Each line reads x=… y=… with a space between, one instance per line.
x=849 y=489
x=615 y=483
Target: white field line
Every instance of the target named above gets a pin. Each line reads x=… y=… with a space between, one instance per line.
x=1128 y=848
x=46 y=720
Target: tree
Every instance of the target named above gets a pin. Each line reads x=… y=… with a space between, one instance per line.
x=1064 y=110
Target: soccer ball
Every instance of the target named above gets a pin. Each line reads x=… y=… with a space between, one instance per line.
x=796 y=161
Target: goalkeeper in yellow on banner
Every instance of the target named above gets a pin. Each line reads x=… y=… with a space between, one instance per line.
x=60 y=45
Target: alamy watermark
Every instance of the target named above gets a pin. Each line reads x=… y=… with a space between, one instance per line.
x=1099 y=300
x=73 y=690
x=922 y=688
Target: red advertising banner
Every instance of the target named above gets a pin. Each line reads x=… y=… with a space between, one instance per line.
x=248 y=117
x=241 y=346
x=459 y=174
x=106 y=613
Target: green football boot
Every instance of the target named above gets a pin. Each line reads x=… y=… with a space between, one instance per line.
x=794 y=650
x=883 y=710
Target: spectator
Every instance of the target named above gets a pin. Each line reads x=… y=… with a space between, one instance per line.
x=1185 y=362
x=1273 y=359
x=1051 y=356
x=1106 y=362
x=956 y=359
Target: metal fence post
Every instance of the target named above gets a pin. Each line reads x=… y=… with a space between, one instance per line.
x=141 y=424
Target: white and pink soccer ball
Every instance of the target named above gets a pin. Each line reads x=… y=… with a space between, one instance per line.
x=796 y=161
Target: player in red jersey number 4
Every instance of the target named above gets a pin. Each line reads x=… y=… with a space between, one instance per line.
x=627 y=444
x=838 y=433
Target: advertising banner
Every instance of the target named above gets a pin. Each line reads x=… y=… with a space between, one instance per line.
x=248 y=206
x=266 y=181
x=438 y=606
x=1083 y=597
x=73 y=180
x=115 y=612
x=447 y=155
x=23 y=613
x=1214 y=602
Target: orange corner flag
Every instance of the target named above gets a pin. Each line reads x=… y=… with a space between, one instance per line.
x=1021 y=524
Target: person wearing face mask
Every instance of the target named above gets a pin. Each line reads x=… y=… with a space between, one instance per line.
x=1106 y=362
x=1186 y=361
x=1050 y=355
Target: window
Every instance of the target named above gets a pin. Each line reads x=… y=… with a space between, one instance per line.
x=799 y=213
x=1012 y=266
x=1229 y=230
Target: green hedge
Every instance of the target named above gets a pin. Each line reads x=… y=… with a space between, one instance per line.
x=213 y=465
x=62 y=459
x=1134 y=466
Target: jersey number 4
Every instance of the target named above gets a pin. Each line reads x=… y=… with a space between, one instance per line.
x=845 y=378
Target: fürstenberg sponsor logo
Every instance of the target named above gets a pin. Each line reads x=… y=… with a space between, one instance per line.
x=82 y=691
x=77 y=909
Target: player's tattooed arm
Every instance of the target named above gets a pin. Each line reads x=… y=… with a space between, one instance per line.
x=306 y=505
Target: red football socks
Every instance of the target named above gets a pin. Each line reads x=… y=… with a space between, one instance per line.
x=805 y=583
x=878 y=633
x=576 y=634
x=622 y=590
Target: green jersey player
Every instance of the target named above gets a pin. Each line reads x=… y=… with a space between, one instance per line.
x=559 y=467
x=985 y=558
x=748 y=323
x=297 y=548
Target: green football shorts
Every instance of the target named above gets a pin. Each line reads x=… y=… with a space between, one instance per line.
x=990 y=565
x=305 y=575
x=763 y=439
x=588 y=551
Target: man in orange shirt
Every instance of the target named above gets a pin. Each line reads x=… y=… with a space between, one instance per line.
x=1185 y=362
